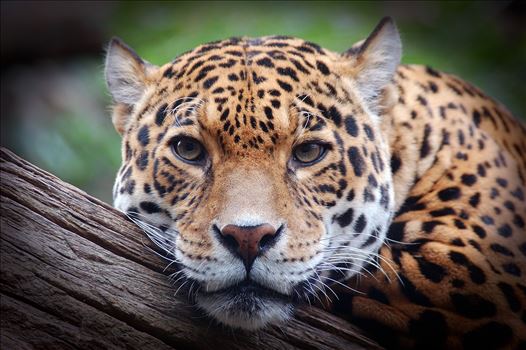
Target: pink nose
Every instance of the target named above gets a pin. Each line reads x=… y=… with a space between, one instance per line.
x=248 y=241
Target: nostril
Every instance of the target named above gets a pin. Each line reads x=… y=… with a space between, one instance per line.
x=247 y=242
x=228 y=241
x=268 y=240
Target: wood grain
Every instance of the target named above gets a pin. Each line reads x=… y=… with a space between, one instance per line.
x=75 y=273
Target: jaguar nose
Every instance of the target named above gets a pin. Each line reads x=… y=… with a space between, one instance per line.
x=248 y=241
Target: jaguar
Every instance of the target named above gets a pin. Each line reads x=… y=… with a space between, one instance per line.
x=276 y=172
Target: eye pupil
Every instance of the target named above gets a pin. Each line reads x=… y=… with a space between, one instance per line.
x=308 y=153
x=308 y=148
x=188 y=146
x=188 y=149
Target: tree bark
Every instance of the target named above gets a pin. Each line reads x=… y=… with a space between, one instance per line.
x=75 y=273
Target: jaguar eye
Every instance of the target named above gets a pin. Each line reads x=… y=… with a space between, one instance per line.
x=188 y=149
x=309 y=153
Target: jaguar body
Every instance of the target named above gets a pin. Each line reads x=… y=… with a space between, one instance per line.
x=277 y=172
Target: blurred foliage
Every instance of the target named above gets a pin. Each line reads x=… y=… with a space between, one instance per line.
x=61 y=123
x=478 y=41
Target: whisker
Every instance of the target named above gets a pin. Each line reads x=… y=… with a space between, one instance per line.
x=345 y=286
x=389 y=263
x=181 y=286
x=353 y=270
x=325 y=286
x=328 y=266
x=364 y=258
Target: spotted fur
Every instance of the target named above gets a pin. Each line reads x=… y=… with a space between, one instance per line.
x=412 y=226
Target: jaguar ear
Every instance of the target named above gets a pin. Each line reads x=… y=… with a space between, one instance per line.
x=127 y=79
x=374 y=61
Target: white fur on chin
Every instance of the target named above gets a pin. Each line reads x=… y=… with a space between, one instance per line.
x=226 y=309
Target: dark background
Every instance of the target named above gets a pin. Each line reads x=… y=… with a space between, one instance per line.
x=54 y=104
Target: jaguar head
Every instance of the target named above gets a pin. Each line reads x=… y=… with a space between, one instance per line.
x=258 y=165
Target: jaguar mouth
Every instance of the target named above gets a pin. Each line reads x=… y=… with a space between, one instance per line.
x=250 y=289
x=246 y=305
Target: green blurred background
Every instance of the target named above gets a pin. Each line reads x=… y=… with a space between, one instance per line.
x=53 y=98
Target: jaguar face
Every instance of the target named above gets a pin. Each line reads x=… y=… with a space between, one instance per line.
x=259 y=165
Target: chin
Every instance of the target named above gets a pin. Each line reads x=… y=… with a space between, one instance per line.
x=246 y=306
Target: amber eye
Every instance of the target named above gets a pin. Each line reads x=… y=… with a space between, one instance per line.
x=309 y=153
x=188 y=149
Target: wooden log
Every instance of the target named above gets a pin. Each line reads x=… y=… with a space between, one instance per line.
x=75 y=273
